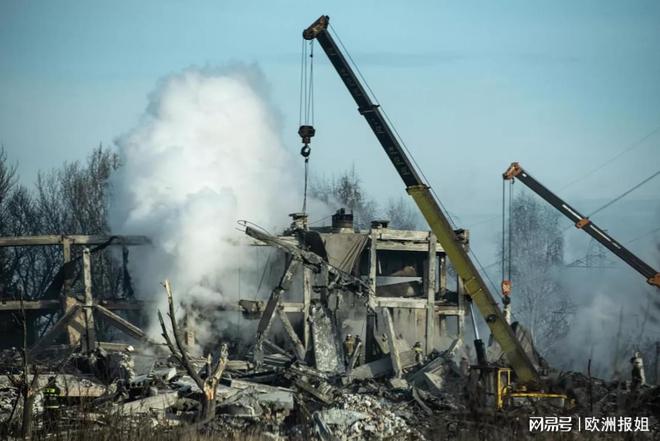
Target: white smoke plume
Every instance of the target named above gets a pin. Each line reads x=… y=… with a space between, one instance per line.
x=206 y=153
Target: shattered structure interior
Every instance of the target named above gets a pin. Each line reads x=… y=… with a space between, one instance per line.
x=360 y=338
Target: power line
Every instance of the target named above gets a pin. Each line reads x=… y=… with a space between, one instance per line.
x=589 y=173
x=643 y=235
x=632 y=146
x=635 y=187
x=625 y=193
x=483 y=221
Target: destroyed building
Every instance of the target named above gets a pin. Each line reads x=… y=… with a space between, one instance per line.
x=402 y=292
x=403 y=272
x=385 y=287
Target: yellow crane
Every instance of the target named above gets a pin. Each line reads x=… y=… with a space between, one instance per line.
x=528 y=378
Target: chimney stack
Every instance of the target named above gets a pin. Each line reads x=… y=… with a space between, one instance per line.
x=342 y=221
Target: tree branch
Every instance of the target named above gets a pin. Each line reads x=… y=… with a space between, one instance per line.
x=185 y=360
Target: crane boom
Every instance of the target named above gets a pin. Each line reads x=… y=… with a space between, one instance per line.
x=515 y=171
x=474 y=284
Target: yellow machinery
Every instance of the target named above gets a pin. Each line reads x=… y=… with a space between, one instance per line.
x=505 y=393
x=474 y=285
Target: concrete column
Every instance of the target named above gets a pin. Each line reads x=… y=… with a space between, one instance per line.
x=308 y=276
x=370 y=344
x=391 y=341
x=74 y=328
x=461 y=306
x=89 y=342
x=429 y=283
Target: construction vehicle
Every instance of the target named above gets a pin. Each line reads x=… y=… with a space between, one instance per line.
x=527 y=376
x=515 y=171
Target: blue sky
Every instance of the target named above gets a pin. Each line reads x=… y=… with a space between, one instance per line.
x=560 y=86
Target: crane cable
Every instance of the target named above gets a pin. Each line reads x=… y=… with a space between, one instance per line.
x=393 y=127
x=306 y=110
x=503 y=255
x=506 y=245
x=510 y=226
x=409 y=153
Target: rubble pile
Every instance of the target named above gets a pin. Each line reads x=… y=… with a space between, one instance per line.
x=361 y=416
x=358 y=371
x=8 y=395
x=276 y=399
x=599 y=397
x=290 y=400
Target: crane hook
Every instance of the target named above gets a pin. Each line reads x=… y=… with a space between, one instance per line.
x=306 y=133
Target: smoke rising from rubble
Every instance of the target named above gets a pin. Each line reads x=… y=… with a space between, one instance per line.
x=604 y=297
x=206 y=153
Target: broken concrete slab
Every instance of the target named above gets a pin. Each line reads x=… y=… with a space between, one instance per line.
x=382 y=367
x=261 y=388
x=398 y=383
x=322 y=429
x=70 y=385
x=279 y=399
x=322 y=392
x=250 y=403
x=435 y=366
x=324 y=337
x=157 y=403
x=242 y=404
x=238 y=365
x=337 y=421
x=162 y=375
x=434 y=383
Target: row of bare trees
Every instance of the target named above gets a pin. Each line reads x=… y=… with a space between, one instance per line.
x=347 y=191
x=72 y=199
x=543 y=303
x=540 y=302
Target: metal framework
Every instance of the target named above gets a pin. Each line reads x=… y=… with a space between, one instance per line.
x=77 y=315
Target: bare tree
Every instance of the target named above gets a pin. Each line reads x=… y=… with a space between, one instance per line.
x=27 y=388
x=402 y=214
x=539 y=302
x=348 y=192
x=7 y=183
x=70 y=200
x=207 y=385
x=7 y=177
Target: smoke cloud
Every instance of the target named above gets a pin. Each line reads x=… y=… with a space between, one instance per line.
x=206 y=153
x=616 y=311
